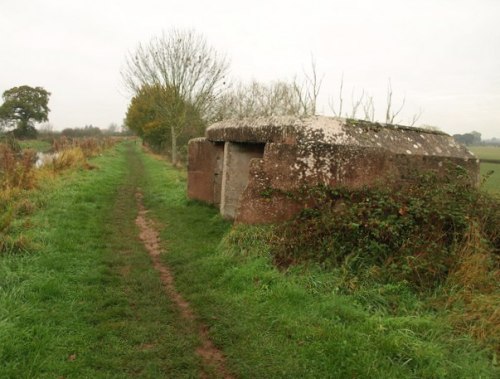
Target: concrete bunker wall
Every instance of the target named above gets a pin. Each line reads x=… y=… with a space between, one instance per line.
x=275 y=190
x=235 y=174
x=218 y=172
x=253 y=168
x=205 y=163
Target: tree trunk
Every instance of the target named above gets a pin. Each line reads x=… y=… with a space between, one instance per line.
x=174 y=145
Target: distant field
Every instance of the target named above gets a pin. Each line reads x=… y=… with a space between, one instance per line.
x=492 y=184
x=486 y=152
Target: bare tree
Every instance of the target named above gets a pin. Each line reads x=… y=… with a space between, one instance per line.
x=369 y=108
x=390 y=115
x=278 y=98
x=415 y=117
x=183 y=64
x=341 y=99
x=356 y=103
x=308 y=92
x=366 y=102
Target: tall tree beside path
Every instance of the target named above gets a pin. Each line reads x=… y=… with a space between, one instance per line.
x=155 y=111
x=22 y=107
x=186 y=67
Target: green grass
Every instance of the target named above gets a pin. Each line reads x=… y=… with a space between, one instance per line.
x=491 y=173
x=303 y=322
x=38 y=145
x=88 y=304
x=486 y=152
x=492 y=184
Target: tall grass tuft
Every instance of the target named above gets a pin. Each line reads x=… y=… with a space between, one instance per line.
x=70 y=157
x=16 y=169
x=472 y=290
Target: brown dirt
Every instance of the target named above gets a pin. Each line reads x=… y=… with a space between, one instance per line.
x=209 y=353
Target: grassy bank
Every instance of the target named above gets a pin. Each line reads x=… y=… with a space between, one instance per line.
x=302 y=322
x=86 y=303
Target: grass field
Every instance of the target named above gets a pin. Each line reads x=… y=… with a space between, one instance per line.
x=492 y=184
x=491 y=172
x=486 y=152
x=86 y=302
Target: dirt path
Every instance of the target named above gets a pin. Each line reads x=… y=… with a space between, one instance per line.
x=211 y=356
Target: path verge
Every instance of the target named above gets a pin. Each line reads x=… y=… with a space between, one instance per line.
x=212 y=357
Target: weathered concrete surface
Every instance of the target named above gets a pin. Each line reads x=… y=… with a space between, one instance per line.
x=322 y=151
x=205 y=170
x=310 y=131
x=236 y=167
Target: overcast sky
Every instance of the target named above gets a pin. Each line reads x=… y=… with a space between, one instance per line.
x=443 y=56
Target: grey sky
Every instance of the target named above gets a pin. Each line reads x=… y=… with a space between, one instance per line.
x=443 y=55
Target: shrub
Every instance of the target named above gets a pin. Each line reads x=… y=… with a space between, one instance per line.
x=67 y=158
x=412 y=233
x=16 y=169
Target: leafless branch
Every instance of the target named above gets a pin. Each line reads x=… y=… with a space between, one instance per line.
x=356 y=103
x=390 y=115
x=416 y=117
x=369 y=108
x=331 y=103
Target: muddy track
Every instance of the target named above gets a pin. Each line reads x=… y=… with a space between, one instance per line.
x=211 y=356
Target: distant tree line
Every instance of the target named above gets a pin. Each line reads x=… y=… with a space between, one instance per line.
x=492 y=141
x=86 y=131
x=468 y=139
x=474 y=139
